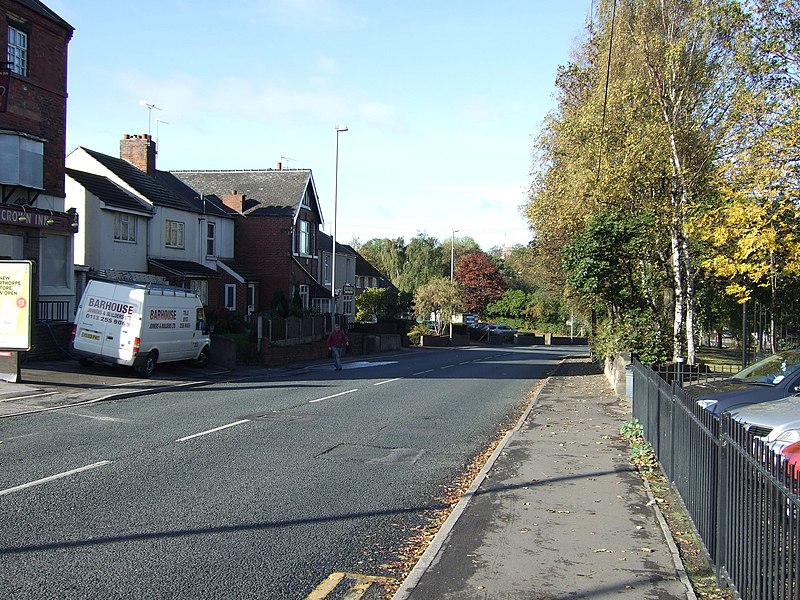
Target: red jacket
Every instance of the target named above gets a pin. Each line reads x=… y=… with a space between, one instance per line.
x=337 y=339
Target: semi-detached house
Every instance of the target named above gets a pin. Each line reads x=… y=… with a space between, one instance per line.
x=142 y=224
x=277 y=229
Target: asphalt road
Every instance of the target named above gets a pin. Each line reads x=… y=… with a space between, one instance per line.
x=252 y=488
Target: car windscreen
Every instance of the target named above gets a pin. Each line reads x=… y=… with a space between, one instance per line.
x=771 y=370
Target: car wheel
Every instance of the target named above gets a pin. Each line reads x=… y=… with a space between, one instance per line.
x=203 y=358
x=148 y=364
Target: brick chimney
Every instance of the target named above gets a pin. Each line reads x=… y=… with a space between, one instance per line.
x=140 y=151
x=234 y=200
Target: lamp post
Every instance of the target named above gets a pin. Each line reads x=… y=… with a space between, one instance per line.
x=452 y=252
x=452 y=262
x=339 y=129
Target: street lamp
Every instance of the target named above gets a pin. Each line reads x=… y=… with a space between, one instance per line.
x=452 y=252
x=339 y=129
x=452 y=262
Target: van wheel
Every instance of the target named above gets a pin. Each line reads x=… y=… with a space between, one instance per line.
x=202 y=358
x=148 y=364
x=85 y=362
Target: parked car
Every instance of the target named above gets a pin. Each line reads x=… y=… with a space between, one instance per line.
x=499 y=329
x=777 y=376
x=776 y=422
x=791 y=454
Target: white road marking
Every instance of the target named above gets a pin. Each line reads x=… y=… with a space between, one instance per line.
x=387 y=381
x=423 y=372
x=29 y=396
x=334 y=396
x=97 y=418
x=53 y=477
x=189 y=437
x=446 y=367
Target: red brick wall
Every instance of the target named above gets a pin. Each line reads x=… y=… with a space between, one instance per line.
x=263 y=245
x=37 y=104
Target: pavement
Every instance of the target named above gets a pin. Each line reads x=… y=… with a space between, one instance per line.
x=557 y=512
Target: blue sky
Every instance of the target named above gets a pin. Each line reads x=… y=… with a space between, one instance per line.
x=442 y=99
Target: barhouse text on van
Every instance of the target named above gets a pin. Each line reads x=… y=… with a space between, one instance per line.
x=160 y=314
x=117 y=307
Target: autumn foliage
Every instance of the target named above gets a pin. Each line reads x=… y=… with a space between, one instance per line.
x=481 y=281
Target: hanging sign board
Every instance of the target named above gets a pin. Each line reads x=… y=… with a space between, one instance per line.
x=15 y=304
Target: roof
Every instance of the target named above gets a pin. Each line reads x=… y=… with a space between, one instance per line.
x=268 y=192
x=364 y=268
x=184 y=268
x=239 y=269
x=109 y=192
x=149 y=187
x=207 y=205
x=325 y=243
x=39 y=7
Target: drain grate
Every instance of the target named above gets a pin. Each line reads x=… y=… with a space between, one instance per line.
x=280 y=417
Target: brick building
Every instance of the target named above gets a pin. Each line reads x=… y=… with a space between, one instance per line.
x=277 y=234
x=33 y=104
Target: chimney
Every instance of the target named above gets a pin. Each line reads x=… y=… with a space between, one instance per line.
x=280 y=166
x=140 y=151
x=234 y=201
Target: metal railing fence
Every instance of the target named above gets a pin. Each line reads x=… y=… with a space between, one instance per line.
x=741 y=498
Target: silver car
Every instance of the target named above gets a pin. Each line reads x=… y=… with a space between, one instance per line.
x=776 y=422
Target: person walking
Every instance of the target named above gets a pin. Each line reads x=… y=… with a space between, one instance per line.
x=337 y=341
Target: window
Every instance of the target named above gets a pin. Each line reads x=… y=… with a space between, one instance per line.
x=304 y=245
x=124 y=227
x=55 y=271
x=347 y=305
x=326 y=270
x=306 y=202
x=230 y=296
x=304 y=295
x=210 y=230
x=251 y=298
x=18 y=51
x=174 y=234
x=200 y=287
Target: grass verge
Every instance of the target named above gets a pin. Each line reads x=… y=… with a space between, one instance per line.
x=698 y=568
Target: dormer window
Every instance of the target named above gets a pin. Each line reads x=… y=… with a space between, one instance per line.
x=18 y=51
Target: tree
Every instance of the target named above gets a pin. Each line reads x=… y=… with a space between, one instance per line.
x=481 y=281
x=424 y=260
x=386 y=255
x=439 y=297
x=380 y=304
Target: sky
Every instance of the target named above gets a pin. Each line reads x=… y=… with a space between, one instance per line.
x=442 y=99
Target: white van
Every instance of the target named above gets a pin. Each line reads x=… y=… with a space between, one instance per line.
x=139 y=325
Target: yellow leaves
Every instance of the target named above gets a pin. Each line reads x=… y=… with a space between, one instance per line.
x=749 y=241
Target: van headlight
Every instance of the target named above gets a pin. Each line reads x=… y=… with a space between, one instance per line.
x=707 y=404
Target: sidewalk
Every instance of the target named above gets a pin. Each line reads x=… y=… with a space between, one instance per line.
x=560 y=513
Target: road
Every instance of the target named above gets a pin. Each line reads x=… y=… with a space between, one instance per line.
x=250 y=488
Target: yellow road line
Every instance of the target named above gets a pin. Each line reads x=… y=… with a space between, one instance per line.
x=359 y=584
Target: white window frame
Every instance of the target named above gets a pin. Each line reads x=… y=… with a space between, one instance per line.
x=124 y=227
x=200 y=287
x=304 y=238
x=326 y=269
x=17 y=54
x=174 y=234
x=347 y=305
x=230 y=296
x=304 y=295
x=211 y=241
